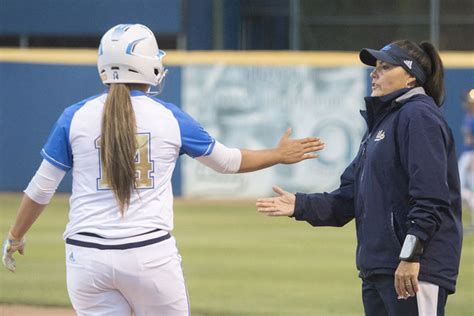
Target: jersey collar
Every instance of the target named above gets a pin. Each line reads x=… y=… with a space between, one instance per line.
x=136 y=93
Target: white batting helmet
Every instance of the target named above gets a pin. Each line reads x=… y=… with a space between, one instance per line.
x=129 y=53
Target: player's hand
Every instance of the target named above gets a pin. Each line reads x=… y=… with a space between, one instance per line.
x=406 y=279
x=296 y=150
x=282 y=205
x=10 y=246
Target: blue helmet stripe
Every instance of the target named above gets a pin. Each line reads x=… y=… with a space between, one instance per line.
x=131 y=46
x=161 y=54
x=119 y=30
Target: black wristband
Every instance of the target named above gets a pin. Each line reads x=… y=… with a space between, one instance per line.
x=412 y=249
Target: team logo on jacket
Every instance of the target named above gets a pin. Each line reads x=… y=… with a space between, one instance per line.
x=380 y=135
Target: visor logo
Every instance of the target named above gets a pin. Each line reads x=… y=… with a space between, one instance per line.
x=408 y=63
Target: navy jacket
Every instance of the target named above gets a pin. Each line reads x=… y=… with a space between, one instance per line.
x=404 y=179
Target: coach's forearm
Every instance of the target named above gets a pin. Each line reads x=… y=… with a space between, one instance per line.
x=27 y=214
x=253 y=160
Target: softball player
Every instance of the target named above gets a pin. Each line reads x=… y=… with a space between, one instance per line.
x=122 y=147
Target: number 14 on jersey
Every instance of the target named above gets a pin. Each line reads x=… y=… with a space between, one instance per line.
x=144 y=166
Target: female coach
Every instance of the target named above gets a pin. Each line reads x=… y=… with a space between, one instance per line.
x=122 y=147
x=402 y=188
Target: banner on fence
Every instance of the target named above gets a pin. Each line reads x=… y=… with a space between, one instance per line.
x=251 y=107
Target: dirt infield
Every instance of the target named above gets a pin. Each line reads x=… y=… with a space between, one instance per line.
x=21 y=310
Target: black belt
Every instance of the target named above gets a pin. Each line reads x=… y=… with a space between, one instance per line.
x=116 y=247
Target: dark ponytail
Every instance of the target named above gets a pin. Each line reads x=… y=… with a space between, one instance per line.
x=428 y=57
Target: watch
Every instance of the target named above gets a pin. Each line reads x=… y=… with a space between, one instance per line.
x=412 y=249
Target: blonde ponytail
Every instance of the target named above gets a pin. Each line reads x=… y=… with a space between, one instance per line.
x=118 y=144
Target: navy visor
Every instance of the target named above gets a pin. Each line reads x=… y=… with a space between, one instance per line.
x=394 y=55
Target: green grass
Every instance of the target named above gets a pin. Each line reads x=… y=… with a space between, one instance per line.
x=235 y=261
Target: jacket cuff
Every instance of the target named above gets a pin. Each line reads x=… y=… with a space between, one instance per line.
x=419 y=233
x=299 y=206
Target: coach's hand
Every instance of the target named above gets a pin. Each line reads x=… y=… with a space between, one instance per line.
x=282 y=205
x=10 y=245
x=406 y=279
x=296 y=150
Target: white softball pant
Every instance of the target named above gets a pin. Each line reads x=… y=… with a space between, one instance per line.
x=144 y=281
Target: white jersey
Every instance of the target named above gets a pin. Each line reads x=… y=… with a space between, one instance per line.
x=163 y=133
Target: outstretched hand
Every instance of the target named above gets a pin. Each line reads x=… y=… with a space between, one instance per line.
x=296 y=150
x=10 y=246
x=282 y=205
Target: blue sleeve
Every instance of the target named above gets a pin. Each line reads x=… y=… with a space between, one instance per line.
x=423 y=146
x=471 y=125
x=195 y=141
x=57 y=149
x=329 y=209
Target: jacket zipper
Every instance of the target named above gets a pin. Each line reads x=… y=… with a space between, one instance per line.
x=362 y=172
x=359 y=204
x=362 y=158
x=366 y=143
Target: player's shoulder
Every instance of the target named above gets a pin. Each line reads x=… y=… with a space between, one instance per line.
x=161 y=103
x=179 y=114
x=71 y=110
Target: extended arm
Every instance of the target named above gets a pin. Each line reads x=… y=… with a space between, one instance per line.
x=288 y=151
x=318 y=209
